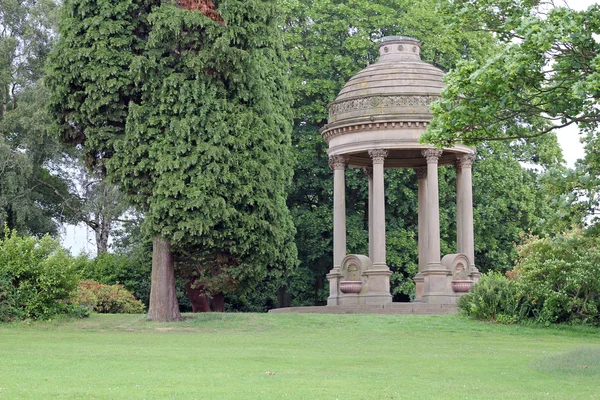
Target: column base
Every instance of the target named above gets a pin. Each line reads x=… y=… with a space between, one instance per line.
x=378 y=280
x=334 y=276
x=475 y=274
x=441 y=298
x=437 y=285
x=333 y=301
x=375 y=282
x=368 y=299
x=419 y=281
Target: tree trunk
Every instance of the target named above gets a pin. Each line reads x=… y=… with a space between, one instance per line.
x=218 y=302
x=163 y=298
x=198 y=299
x=102 y=234
x=283 y=297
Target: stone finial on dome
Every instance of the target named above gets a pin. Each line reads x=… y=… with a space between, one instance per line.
x=398 y=49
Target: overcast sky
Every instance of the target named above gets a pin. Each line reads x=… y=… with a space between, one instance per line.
x=79 y=238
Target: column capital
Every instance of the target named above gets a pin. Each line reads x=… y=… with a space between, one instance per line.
x=368 y=171
x=421 y=172
x=378 y=155
x=432 y=155
x=337 y=162
x=464 y=161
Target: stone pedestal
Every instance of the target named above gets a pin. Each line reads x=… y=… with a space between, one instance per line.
x=375 y=282
x=437 y=286
x=419 y=281
x=379 y=286
x=334 y=277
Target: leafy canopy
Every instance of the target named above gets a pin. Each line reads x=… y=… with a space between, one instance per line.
x=546 y=76
x=189 y=117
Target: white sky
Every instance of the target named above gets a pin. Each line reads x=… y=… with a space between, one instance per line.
x=78 y=238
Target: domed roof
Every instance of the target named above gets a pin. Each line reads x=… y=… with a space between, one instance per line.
x=386 y=106
x=398 y=86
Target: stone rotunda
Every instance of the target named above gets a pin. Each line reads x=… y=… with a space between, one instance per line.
x=375 y=123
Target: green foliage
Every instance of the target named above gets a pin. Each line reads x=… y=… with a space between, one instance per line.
x=507 y=195
x=555 y=280
x=546 y=79
x=36 y=183
x=263 y=298
x=190 y=118
x=88 y=72
x=42 y=273
x=493 y=298
x=108 y=299
x=560 y=277
x=545 y=76
x=9 y=301
x=31 y=192
x=26 y=149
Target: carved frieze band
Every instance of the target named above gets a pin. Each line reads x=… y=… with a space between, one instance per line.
x=421 y=172
x=331 y=133
x=337 y=162
x=378 y=155
x=368 y=171
x=380 y=101
x=432 y=155
x=464 y=161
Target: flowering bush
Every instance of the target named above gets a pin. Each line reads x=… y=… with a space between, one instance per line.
x=132 y=270
x=114 y=299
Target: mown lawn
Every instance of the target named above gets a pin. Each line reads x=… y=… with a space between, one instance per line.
x=263 y=356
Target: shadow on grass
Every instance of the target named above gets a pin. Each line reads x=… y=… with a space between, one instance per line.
x=584 y=361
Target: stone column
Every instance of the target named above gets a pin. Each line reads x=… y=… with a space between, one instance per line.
x=369 y=173
x=464 y=207
x=422 y=196
x=338 y=165
x=422 y=227
x=378 y=275
x=378 y=156
x=433 y=206
x=459 y=207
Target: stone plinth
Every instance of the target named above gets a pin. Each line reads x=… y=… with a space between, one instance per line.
x=391 y=308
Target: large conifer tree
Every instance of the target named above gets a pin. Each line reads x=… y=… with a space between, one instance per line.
x=187 y=107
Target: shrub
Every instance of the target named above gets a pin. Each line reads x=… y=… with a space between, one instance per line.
x=493 y=298
x=9 y=304
x=40 y=272
x=133 y=271
x=560 y=277
x=114 y=299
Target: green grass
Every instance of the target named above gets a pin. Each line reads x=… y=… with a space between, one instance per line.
x=273 y=356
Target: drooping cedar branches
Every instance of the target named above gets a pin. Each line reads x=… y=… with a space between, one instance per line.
x=205 y=156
